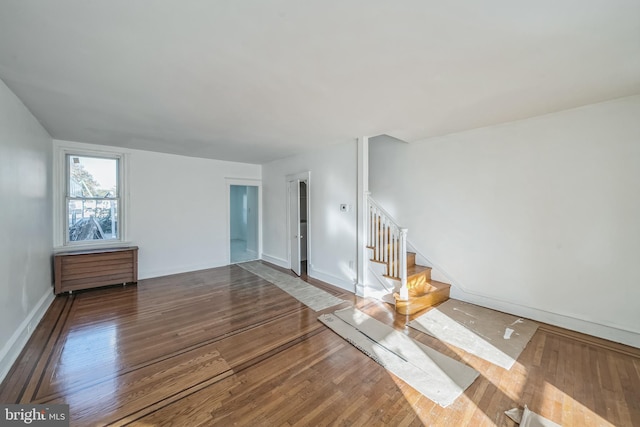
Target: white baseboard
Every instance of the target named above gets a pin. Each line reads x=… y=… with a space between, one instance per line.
x=346 y=284
x=584 y=326
x=11 y=350
x=275 y=260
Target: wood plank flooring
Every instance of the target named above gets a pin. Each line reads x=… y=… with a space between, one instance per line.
x=224 y=347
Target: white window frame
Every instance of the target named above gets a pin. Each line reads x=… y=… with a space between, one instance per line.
x=61 y=196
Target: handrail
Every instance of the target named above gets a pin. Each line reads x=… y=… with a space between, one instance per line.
x=388 y=241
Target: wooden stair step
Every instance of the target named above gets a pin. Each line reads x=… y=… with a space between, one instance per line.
x=423 y=297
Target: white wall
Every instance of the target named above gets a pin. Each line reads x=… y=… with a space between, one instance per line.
x=25 y=225
x=540 y=217
x=177 y=209
x=332 y=234
x=253 y=219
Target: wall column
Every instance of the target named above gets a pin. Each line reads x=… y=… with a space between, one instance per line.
x=363 y=192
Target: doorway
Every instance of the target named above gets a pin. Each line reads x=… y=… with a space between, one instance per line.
x=244 y=231
x=299 y=224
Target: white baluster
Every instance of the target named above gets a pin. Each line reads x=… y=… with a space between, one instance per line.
x=369 y=224
x=380 y=236
x=398 y=253
x=392 y=254
x=378 y=219
x=375 y=236
x=385 y=241
x=371 y=228
x=394 y=263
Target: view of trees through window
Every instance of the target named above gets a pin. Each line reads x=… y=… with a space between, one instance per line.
x=92 y=198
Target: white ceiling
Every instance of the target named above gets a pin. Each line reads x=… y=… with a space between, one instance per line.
x=254 y=81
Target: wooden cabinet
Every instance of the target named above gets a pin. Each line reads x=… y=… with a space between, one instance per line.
x=86 y=269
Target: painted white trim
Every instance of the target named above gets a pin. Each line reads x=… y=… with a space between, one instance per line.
x=302 y=176
x=11 y=350
x=275 y=260
x=331 y=279
x=246 y=182
x=60 y=151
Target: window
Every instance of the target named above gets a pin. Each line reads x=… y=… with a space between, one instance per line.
x=93 y=203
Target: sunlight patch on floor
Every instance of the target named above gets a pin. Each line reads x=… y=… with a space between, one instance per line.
x=573 y=412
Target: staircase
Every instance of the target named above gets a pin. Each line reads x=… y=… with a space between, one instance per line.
x=423 y=292
x=388 y=244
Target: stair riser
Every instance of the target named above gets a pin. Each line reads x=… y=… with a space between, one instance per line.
x=416 y=304
x=418 y=280
x=411 y=259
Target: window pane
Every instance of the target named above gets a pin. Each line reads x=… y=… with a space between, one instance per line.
x=93 y=177
x=93 y=219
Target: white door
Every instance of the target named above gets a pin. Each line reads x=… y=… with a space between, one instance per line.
x=294 y=224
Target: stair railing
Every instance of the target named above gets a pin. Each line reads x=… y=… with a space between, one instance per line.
x=388 y=242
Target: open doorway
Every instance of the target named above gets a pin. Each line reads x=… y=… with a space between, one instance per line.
x=299 y=224
x=244 y=233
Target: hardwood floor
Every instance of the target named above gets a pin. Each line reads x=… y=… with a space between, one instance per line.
x=224 y=347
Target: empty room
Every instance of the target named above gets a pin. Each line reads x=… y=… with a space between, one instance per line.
x=263 y=213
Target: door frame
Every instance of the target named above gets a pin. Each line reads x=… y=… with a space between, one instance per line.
x=302 y=176
x=249 y=183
